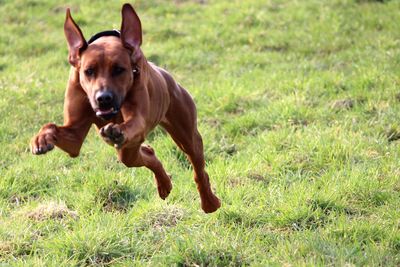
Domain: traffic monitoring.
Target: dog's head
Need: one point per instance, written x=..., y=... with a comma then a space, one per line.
x=106, y=66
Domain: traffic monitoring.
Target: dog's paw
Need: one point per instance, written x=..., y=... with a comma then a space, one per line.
x=210, y=203
x=164, y=187
x=113, y=135
x=44, y=141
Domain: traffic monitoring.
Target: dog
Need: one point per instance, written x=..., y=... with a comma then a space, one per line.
x=112, y=85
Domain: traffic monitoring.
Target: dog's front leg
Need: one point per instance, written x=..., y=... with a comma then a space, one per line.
x=78, y=117
x=68, y=138
x=128, y=138
x=128, y=133
x=132, y=131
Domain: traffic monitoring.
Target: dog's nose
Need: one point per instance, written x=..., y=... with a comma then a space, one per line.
x=104, y=98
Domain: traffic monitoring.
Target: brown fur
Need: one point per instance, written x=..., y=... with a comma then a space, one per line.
x=147, y=99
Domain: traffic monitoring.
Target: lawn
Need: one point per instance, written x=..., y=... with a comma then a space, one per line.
x=298, y=105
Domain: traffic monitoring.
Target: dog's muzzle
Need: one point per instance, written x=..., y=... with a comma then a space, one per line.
x=107, y=105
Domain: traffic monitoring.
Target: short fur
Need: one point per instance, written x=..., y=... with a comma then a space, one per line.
x=144, y=96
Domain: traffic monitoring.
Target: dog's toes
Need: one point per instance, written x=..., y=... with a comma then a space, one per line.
x=45, y=140
x=37, y=151
x=113, y=135
x=118, y=139
x=50, y=147
x=163, y=192
x=102, y=132
x=109, y=130
x=106, y=131
x=42, y=143
x=40, y=150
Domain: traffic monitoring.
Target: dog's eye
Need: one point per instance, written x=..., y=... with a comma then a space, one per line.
x=117, y=71
x=89, y=72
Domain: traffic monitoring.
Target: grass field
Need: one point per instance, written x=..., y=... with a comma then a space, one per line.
x=299, y=106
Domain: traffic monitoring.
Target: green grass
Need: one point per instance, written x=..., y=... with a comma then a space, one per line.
x=299, y=107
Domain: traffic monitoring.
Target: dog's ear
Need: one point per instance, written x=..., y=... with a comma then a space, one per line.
x=75, y=39
x=131, y=29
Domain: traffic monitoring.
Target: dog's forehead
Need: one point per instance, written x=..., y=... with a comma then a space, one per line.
x=109, y=49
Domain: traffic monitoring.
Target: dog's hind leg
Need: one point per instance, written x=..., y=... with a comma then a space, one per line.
x=143, y=155
x=180, y=123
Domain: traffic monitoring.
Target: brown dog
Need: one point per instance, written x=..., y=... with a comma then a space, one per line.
x=112, y=85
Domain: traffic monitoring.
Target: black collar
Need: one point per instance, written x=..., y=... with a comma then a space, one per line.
x=115, y=33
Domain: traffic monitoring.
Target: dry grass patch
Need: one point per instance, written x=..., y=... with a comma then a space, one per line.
x=167, y=217
x=50, y=211
x=6, y=248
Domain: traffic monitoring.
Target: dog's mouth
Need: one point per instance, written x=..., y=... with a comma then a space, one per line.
x=106, y=113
